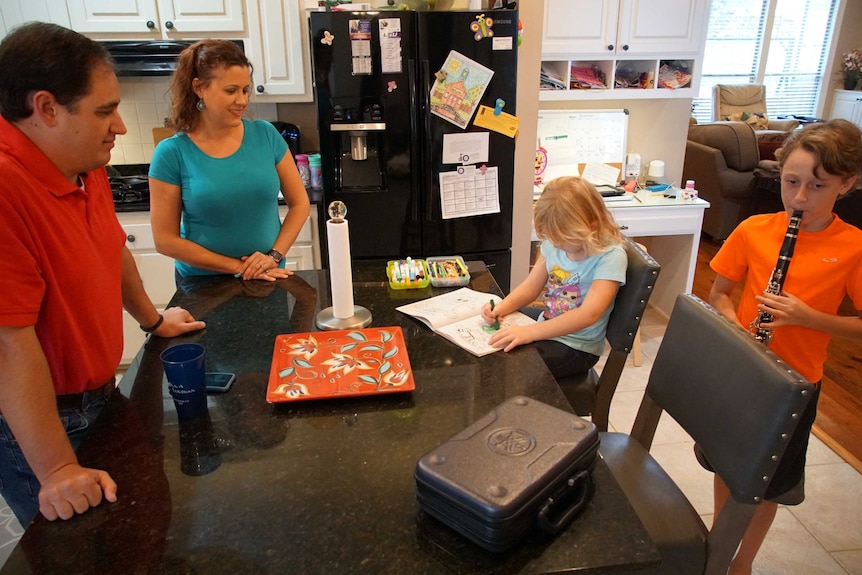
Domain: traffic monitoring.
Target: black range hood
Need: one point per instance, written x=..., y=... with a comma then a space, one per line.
x=148, y=58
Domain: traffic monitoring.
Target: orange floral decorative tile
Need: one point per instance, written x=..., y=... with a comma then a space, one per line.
x=343, y=363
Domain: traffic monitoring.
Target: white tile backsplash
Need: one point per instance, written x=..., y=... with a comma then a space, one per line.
x=143, y=106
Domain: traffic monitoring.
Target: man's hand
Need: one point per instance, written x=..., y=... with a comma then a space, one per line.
x=74, y=489
x=177, y=322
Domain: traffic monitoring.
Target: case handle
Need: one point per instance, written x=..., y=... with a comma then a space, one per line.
x=578, y=488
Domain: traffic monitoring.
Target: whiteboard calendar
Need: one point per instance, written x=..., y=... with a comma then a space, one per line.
x=469, y=191
x=570, y=139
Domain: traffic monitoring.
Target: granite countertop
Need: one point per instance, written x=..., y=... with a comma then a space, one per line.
x=308, y=487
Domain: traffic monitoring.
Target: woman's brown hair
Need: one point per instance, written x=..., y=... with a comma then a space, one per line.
x=200, y=60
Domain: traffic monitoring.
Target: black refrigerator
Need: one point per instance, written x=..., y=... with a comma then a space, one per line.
x=396, y=93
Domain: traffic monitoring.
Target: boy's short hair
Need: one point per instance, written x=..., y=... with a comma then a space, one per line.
x=836, y=145
x=570, y=210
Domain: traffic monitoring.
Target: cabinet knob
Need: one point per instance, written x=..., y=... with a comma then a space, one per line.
x=150, y=24
x=260, y=89
x=131, y=238
x=625, y=47
x=610, y=47
x=169, y=25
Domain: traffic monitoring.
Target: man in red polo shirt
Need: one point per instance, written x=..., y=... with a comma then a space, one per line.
x=65, y=273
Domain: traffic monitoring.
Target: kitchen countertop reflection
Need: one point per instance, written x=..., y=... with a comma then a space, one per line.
x=306, y=487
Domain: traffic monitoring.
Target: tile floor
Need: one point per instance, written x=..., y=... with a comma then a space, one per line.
x=823, y=536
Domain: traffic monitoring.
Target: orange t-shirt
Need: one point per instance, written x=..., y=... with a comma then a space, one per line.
x=826, y=266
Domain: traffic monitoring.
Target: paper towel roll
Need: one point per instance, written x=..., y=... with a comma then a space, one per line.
x=340, y=271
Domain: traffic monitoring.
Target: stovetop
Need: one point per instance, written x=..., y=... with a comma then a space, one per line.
x=130, y=187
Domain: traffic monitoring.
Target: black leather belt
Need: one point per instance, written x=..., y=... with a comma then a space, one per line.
x=81, y=400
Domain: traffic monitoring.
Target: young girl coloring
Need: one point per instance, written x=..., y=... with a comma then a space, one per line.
x=580, y=267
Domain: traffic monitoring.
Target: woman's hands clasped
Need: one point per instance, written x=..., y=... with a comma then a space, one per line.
x=259, y=266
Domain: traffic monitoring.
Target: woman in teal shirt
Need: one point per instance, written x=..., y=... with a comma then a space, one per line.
x=214, y=184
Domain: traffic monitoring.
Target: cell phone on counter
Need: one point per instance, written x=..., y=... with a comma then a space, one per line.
x=219, y=382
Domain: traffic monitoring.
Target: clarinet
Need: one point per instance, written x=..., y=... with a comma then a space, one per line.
x=763, y=333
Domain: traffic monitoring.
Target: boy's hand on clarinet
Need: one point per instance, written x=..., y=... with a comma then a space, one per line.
x=786, y=309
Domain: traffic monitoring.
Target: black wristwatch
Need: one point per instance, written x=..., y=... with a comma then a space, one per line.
x=276, y=255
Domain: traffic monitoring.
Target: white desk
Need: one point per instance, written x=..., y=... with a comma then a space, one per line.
x=670, y=230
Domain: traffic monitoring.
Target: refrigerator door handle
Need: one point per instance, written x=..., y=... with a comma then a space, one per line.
x=424, y=94
x=415, y=147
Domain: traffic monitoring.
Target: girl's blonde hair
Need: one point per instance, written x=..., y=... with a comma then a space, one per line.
x=570, y=210
x=200, y=60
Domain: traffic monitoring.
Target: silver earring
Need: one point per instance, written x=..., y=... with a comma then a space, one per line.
x=200, y=106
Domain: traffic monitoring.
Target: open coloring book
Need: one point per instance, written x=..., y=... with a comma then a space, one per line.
x=457, y=316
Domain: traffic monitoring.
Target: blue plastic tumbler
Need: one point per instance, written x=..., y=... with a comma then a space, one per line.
x=185, y=367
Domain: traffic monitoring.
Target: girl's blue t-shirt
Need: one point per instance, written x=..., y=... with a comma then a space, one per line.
x=568, y=284
x=229, y=205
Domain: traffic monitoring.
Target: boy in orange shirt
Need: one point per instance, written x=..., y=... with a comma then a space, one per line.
x=818, y=165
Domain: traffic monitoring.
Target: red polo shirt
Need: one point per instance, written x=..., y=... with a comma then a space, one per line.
x=60, y=263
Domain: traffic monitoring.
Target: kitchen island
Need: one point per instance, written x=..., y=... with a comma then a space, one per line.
x=306, y=487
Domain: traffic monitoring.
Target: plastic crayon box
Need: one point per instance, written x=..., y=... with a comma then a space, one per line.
x=407, y=274
x=448, y=271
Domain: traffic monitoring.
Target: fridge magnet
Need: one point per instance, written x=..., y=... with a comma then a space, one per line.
x=468, y=191
x=327, y=38
x=391, y=86
x=504, y=123
x=390, y=45
x=498, y=106
x=456, y=97
x=482, y=27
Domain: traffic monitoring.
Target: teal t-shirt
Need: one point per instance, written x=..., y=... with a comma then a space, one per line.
x=229, y=205
x=568, y=284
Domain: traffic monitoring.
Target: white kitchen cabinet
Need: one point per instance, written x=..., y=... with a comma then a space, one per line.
x=157, y=274
x=610, y=36
x=157, y=270
x=848, y=105
x=278, y=48
x=15, y=12
x=156, y=19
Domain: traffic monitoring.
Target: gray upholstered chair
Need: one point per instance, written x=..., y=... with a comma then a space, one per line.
x=591, y=393
x=739, y=401
x=722, y=158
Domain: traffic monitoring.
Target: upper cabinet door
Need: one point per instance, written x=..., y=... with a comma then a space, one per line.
x=156, y=18
x=664, y=27
x=279, y=50
x=582, y=27
x=16, y=12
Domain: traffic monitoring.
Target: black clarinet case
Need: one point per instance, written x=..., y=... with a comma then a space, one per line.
x=525, y=466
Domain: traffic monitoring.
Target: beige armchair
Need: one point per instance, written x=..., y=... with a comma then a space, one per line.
x=747, y=103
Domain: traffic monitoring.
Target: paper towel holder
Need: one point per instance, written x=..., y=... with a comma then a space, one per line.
x=326, y=318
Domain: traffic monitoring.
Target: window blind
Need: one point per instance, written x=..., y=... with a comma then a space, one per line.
x=779, y=43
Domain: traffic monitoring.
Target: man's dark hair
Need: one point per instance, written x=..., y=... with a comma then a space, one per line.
x=39, y=56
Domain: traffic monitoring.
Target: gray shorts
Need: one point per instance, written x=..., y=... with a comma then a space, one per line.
x=788, y=484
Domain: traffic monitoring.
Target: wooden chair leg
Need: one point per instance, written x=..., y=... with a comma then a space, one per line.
x=637, y=356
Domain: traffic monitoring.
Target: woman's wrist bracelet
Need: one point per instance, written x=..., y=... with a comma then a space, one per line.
x=155, y=326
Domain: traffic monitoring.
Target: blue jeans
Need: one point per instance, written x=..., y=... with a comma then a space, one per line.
x=18, y=483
